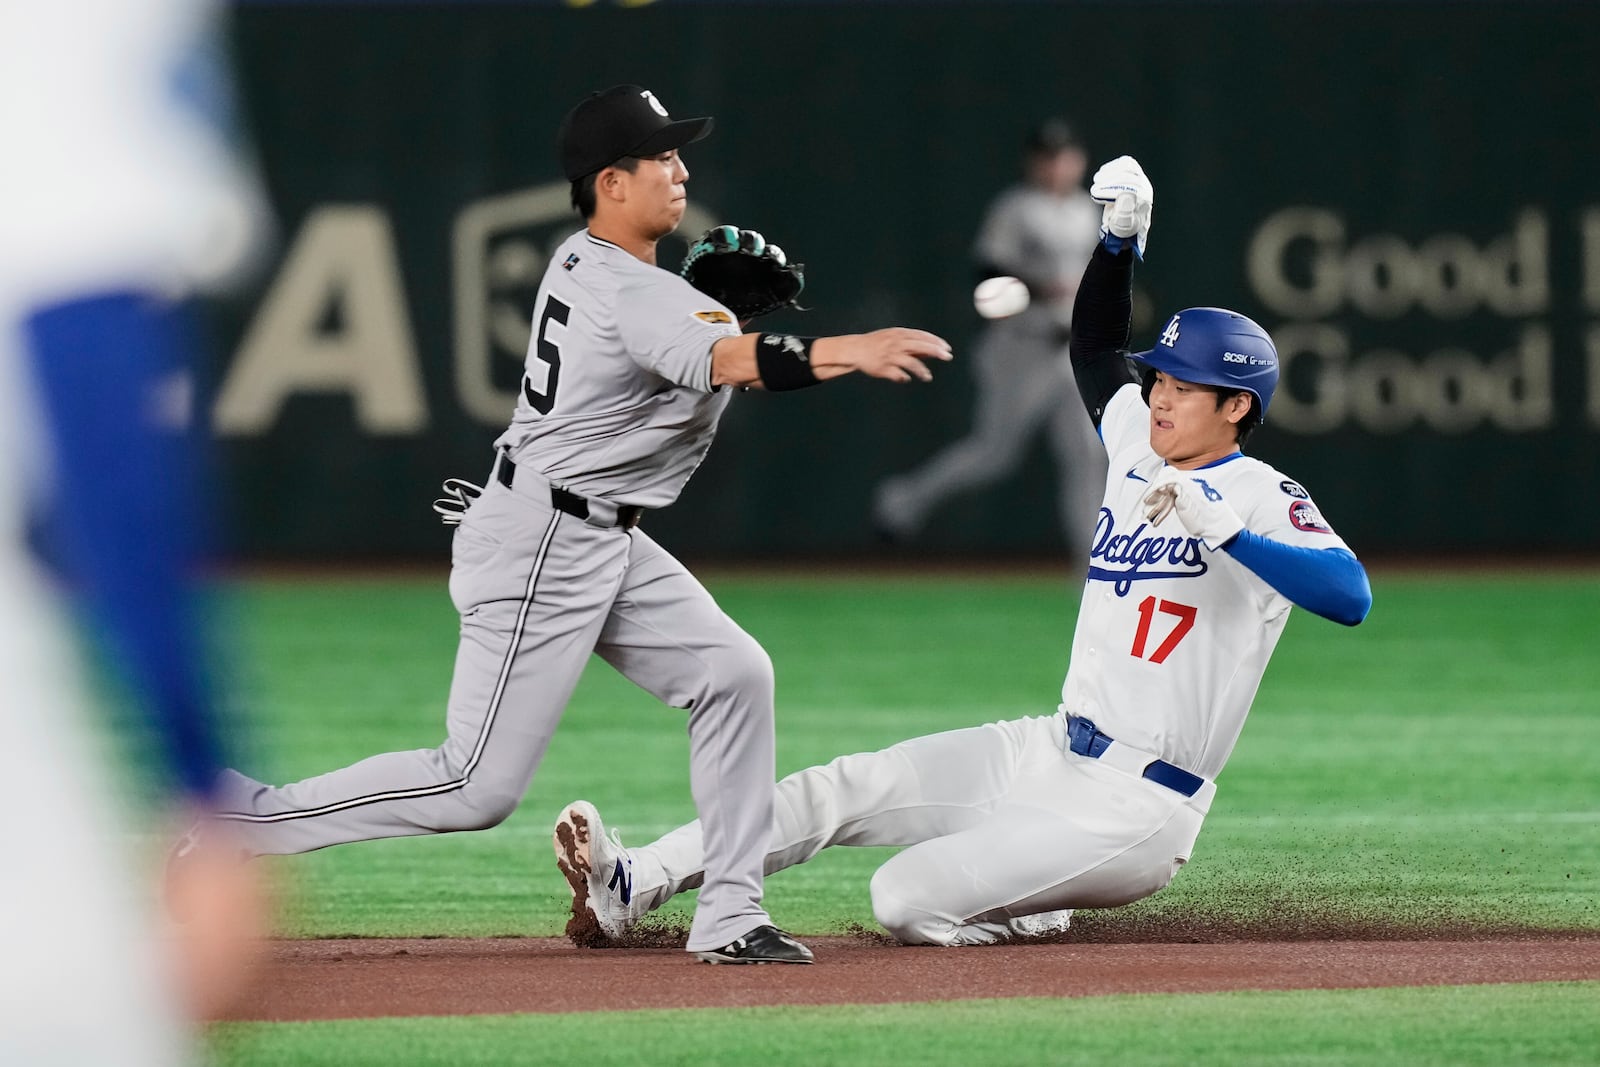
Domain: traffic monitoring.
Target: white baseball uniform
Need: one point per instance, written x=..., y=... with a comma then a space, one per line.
x=616, y=411
x=1005, y=820
x=1024, y=380
x=113, y=187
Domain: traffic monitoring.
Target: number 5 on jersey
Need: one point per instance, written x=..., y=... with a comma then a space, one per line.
x=547, y=351
x=1147, y=613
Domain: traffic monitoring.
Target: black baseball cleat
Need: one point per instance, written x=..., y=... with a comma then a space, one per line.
x=764, y=944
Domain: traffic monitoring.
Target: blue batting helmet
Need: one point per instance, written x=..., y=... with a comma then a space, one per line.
x=1211, y=346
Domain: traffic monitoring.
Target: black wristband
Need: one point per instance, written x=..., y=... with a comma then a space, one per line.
x=784, y=361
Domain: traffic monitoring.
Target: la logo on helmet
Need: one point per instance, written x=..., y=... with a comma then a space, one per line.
x=655, y=105
x=1169, y=336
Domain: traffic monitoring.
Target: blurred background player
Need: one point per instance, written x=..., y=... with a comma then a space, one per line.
x=119, y=195
x=1041, y=231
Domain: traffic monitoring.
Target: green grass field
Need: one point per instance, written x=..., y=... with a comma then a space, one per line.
x=1436, y=765
x=1460, y=1026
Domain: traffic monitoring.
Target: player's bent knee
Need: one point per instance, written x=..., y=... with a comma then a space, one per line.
x=909, y=923
x=743, y=667
x=477, y=808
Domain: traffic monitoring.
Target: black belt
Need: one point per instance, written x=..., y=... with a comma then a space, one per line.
x=628, y=515
x=1086, y=740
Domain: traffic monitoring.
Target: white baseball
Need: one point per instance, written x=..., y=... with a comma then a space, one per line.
x=999, y=298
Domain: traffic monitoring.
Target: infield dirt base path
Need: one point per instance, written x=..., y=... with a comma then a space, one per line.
x=349, y=979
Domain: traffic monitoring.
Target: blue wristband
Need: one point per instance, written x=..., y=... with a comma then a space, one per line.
x=1115, y=244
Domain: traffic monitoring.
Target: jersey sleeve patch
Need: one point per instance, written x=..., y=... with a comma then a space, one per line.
x=1303, y=514
x=715, y=318
x=1294, y=489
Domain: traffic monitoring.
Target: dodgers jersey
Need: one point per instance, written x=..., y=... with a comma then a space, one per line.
x=1173, y=637
x=616, y=401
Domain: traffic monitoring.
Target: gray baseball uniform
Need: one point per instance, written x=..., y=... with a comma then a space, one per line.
x=616, y=411
x=1023, y=377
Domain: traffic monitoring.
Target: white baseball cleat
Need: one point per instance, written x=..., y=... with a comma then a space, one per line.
x=598, y=869
x=1044, y=924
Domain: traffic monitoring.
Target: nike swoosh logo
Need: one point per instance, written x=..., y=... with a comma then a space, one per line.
x=1134, y=474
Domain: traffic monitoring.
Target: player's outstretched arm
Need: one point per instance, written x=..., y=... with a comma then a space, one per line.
x=780, y=361
x=127, y=513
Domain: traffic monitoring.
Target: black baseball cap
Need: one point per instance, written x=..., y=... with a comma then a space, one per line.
x=623, y=120
x=1051, y=136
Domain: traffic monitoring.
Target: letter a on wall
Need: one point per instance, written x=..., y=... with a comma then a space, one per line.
x=334, y=321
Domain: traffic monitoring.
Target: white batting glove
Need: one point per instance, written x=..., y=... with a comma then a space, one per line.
x=1201, y=509
x=1129, y=198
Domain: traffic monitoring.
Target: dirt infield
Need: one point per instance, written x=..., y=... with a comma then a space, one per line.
x=347, y=979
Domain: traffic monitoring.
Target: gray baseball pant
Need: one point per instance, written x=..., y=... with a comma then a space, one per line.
x=538, y=590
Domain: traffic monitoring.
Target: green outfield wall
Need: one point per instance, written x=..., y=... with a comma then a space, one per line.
x=1406, y=195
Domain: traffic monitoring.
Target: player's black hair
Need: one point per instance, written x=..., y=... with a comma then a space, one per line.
x=1243, y=428
x=1252, y=418
x=1051, y=136
x=583, y=197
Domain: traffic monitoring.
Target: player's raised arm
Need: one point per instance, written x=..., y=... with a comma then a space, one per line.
x=1103, y=311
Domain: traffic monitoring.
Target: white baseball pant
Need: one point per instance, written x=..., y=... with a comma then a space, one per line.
x=999, y=821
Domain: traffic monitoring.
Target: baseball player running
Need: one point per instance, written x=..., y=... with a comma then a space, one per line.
x=628, y=370
x=1040, y=230
x=1198, y=554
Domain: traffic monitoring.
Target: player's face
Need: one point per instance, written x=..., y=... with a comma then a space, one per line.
x=655, y=197
x=1059, y=172
x=1187, y=427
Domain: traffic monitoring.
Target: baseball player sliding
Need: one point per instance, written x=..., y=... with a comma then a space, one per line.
x=628, y=371
x=1198, y=554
